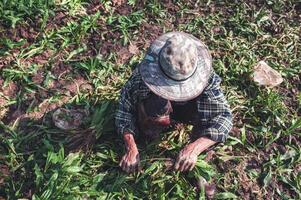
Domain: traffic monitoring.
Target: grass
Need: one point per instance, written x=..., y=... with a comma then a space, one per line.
x=75, y=54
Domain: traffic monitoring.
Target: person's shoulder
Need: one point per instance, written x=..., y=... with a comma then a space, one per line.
x=135, y=77
x=214, y=77
x=136, y=74
x=136, y=82
x=214, y=80
x=213, y=87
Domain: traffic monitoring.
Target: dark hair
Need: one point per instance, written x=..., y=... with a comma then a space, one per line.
x=155, y=106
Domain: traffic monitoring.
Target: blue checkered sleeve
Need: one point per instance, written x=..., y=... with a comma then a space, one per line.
x=214, y=112
x=126, y=114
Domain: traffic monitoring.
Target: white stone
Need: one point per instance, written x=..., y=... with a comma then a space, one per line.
x=265, y=75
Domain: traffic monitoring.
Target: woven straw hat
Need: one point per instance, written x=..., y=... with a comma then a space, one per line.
x=177, y=66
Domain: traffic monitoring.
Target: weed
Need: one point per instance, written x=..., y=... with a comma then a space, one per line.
x=261, y=158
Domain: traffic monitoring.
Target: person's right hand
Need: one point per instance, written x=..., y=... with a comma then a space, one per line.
x=130, y=162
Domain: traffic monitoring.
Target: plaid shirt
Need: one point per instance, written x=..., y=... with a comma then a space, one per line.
x=215, y=117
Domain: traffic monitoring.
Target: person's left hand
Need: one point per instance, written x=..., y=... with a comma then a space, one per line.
x=187, y=158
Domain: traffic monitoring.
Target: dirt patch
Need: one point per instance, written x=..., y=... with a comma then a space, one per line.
x=46, y=107
x=42, y=58
x=277, y=185
x=4, y=172
x=150, y=32
x=10, y=90
x=61, y=86
x=146, y=34
x=290, y=95
x=8, y=59
x=3, y=108
x=109, y=44
x=58, y=20
x=22, y=31
x=249, y=189
x=123, y=55
x=28, y=33
x=2, y=101
x=225, y=166
x=253, y=163
x=42, y=108
x=170, y=6
x=95, y=6
x=125, y=9
x=38, y=78
x=109, y=41
x=60, y=70
x=264, y=156
x=290, y=139
x=67, y=83
x=133, y=48
x=75, y=86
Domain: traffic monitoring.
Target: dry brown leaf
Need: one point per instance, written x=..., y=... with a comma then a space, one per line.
x=10, y=90
x=168, y=163
x=265, y=75
x=146, y=44
x=123, y=55
x=133, y=49
x=118, y=2
x=4, y=172
x=209, y=155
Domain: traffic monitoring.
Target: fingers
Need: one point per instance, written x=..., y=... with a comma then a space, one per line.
x=122, y=164
x=177, y=164
x=132, y=168
x=184, y=165
x=127, y=167
x=192, y=166
x=139, y=167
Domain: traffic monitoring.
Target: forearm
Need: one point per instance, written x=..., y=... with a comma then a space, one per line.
x=129, y=141
x=130, y=161
x=201, y=145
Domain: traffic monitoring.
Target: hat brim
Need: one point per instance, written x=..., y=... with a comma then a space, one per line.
x=170, y=89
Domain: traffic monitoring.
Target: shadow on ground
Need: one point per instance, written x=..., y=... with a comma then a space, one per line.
x=49, y=154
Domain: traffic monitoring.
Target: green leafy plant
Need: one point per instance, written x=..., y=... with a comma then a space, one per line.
x=76, y=54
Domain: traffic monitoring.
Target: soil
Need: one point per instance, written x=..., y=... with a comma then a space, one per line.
x=290, y=96
x=250, y=189
x=108, y=42
x=10, y=90
x=4, y=172
x=95, y=6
